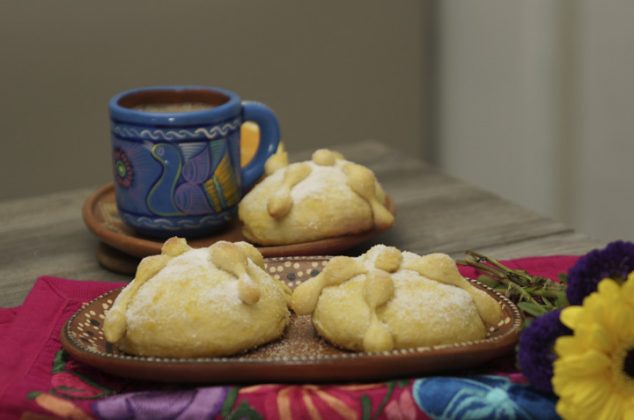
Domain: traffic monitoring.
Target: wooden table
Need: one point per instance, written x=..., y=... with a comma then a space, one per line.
x=435, y=212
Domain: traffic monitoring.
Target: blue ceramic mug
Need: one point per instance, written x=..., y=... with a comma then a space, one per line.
x=176, y=157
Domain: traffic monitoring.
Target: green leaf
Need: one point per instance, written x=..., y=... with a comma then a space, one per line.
x=563, y=278
x=245, y=411
x=59, y=361
x=562, y=301
x=33, y=395
x=86, y=379
x=402, y=383
x=69, y=393
x=532, y=309
x=227, y=405
x=366, y=407
x=390, y=390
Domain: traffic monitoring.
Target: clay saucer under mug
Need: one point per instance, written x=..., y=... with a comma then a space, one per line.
x=101, y=217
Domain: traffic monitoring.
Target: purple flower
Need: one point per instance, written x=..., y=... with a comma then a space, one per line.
x=615, y=261
x=536, y=349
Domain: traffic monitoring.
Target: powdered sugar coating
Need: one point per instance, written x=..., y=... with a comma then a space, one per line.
x=416, y=291
x=420, y=312
x=442, y=310
x=368, y=259
x=192, y=308
x=320, y=179
x=192, y=270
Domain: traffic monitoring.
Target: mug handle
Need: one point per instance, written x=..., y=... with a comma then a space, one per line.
x=264, y=117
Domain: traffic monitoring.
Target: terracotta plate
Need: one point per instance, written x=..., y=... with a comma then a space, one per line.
x=101, y=216
x=300, y=356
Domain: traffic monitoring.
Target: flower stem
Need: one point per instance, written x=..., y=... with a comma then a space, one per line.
x=501, y=277
x=518, y=285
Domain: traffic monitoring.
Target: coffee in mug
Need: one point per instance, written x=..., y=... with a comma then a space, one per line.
x=175, y=107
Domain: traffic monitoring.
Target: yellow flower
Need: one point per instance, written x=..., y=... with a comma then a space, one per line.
x=594, y=372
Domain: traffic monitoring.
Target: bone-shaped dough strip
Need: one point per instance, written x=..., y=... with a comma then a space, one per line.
x=362, y=181
x=379, y=288
x=442, y=268
x=281, y=202
x=115, y=323
x=337, y=271
x=230, y=258
x=175, y=246
x=252, y=253
x=277, y=161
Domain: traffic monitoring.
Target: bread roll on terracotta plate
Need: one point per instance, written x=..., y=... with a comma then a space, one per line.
x=325, y=197
x=186, y=302
x=387, y=299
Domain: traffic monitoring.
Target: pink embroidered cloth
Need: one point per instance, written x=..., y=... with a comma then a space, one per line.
x=37, y=378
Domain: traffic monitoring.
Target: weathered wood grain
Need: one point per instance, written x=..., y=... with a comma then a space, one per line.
x=435, y=212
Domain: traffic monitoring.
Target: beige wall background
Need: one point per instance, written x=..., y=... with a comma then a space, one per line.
x=531, y=100
x=534, y=102
x=333, y=71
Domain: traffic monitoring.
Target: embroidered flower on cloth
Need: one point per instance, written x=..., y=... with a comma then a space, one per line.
x=481, y=397
x=190, y=403
x=594, y=374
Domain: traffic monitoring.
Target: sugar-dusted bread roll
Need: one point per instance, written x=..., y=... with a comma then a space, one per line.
x=386, y=299
x=188, y=302
x=325, y=197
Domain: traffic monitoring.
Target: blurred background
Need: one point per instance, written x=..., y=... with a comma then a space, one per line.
x=529, y=99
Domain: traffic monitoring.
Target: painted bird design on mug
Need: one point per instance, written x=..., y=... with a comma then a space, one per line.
x=196, y=179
